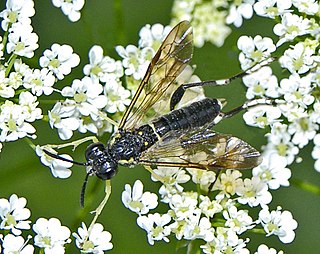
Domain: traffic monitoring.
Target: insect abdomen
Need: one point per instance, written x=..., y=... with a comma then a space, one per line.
x=197, y=114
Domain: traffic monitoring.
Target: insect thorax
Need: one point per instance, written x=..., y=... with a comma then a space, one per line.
x=126, y=146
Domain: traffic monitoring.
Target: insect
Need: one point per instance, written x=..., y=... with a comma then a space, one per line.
x=181, y=138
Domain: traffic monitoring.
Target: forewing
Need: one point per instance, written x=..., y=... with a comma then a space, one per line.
x=205, y=150
x=169, y=61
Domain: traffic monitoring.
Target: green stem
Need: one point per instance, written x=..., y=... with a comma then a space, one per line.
x=4, y=41
x=304, y=185
x=10, y=64
x=257, y=230
x=5, y=38
x=30, y=143
x=218, y=223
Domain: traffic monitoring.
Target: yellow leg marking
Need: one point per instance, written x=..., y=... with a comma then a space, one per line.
x=108, y=119
x=99, y=209
x=75, y=143
x=159, y=178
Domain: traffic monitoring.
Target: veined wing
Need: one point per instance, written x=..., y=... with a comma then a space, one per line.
x=171, y=58
x=207, y=150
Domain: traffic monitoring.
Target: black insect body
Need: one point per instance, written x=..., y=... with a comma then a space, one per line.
x=126, y=148
x=181, y=138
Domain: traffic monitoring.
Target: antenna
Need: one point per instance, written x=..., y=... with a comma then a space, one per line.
x=83, y=189
x=64, y=159
x=84, y=185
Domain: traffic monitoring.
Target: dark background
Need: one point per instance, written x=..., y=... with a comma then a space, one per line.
x=111, y=23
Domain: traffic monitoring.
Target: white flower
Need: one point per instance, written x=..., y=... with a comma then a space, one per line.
x=253, y=192
x=22, y=41
x=198, y=228
x=310, y=7
x=70, y=8
x=228, y=183
x=60, y=59
x=262, y=116
x=297, y=89
x=62, y=117
x=59, y=168
x=290, y=27
x=279, y=142
x=261, y=83
x=316, y=152
x=299, y=59
x=21, y=69
x=50, y=235
x=14, y=215
x=16, y=244
x=39, y=81
x=208, y=20
x=273, y=171
x=172, y=177
x=184, y=205
x=29, y=104
x=138, y=201
x=238, y=221
x=17, y=11
x=303, y=129
x=226, y=241
x=202, y=177
x=118, y=97
x=254, y=50
x=264, y=249
x=239, y=10
x=278, y=223
x=135, y=60
x=96, y=241
x=292, y=111
x=102, y=67
x=209, y=207
x=152, y=36
x=83, y=112
x=155, y=226
x=87, y=93
x=267, y=8
x=6, y=89
x=12, y=122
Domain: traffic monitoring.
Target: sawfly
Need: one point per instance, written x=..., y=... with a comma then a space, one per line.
x=181, y=138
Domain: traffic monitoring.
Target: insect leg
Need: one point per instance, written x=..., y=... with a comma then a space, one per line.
x=178, y=94
x=156, y=176
x=99, y=209
x=247, y=105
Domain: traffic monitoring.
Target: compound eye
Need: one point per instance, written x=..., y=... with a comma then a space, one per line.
x=93, y=150
x=108, y=170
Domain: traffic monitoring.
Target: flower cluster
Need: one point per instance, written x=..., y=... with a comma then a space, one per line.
x=49, y=235
x=70, y=8
x=219, y=212
x=215, y=219
x=210, y=19
x=17, y=80
x=295, y=121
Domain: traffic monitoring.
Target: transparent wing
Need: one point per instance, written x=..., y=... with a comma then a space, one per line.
x=169, y=61
x=205, y=150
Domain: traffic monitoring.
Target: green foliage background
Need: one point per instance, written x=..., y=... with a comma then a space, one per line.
x=111, y=23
